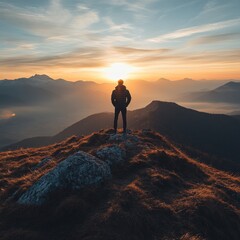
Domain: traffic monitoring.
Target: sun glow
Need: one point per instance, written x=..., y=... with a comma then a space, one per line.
x=118, y=71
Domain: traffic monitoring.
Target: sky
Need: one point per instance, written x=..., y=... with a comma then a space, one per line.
x=148, y=39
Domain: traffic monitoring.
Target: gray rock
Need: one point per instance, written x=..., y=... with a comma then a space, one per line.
x=123, y=137
x=117, y=137
x=75, y=172
x=111, y=154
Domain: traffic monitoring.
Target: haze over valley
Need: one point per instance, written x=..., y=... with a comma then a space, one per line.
x=40, y=105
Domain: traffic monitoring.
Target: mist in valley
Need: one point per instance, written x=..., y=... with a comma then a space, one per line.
x=55, y=104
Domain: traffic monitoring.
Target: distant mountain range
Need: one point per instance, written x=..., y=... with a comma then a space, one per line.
x=40, y=105
x=228, y=93
x=40, y=89
x=215, y=134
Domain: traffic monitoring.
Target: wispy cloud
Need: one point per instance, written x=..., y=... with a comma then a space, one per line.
x=213, y=10
x=134, y=5
x=189, y=59
x=128, y=50
x=116, y=27
x=215, y=39
x=78, y=58
x=93, y=57
x=186, y=32
x=55, y=20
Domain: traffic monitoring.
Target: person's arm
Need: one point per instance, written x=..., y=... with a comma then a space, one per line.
x=128, y=98
x=113, y=98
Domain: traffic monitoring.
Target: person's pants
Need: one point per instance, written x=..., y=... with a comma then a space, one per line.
x=123, y=110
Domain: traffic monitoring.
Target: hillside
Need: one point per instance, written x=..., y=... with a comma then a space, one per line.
x=103, y=186
x=236, y=116
x=214, y=134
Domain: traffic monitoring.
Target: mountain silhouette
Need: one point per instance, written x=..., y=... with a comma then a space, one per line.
x=215, y=134
x=228, y=93
x=42, y=87
x=104, y=186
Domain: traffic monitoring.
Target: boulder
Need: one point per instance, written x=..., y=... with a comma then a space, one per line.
x=112, y=154
x=75, y=172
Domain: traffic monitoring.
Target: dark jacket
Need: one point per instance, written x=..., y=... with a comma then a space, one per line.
x=120, y=96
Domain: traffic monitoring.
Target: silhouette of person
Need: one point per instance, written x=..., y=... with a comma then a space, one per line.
x=120, y=99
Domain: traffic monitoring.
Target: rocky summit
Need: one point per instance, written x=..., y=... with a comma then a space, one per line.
x=106, y=186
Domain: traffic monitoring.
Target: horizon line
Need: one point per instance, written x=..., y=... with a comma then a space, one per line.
x=130, y=79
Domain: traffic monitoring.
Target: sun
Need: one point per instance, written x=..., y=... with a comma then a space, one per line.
x=118, y=71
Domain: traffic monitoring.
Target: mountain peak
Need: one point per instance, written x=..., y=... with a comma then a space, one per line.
x=155, y=104
x=232, y=84
x=41, y=77
x=229, y=86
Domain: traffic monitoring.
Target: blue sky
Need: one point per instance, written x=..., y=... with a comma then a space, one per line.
x=159, y=38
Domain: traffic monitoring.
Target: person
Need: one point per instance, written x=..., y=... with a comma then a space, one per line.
x=121, y=98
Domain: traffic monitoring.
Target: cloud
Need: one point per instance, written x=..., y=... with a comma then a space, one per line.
x=188, y=59
x=116, y=27
x=78, y=58
x=128, y=50
x=214, y=39
x=134, y=5
x=94, y=57
x=213, y=10
x=216, y=57
x=139, y=9
x=186, y=32
x=55, y=20
x=56, y=28
x=210, y=5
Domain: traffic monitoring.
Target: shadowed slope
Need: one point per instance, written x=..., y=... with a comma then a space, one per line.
x=156, y=192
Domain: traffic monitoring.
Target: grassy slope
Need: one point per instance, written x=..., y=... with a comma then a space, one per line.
x=158, y=193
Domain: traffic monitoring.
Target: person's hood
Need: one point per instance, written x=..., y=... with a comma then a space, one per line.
x=120, y=87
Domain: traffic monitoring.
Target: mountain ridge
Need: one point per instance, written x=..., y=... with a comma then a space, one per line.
x=227, y=93
x=47, y=77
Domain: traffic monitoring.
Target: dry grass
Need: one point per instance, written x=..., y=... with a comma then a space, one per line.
x=158, y=193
